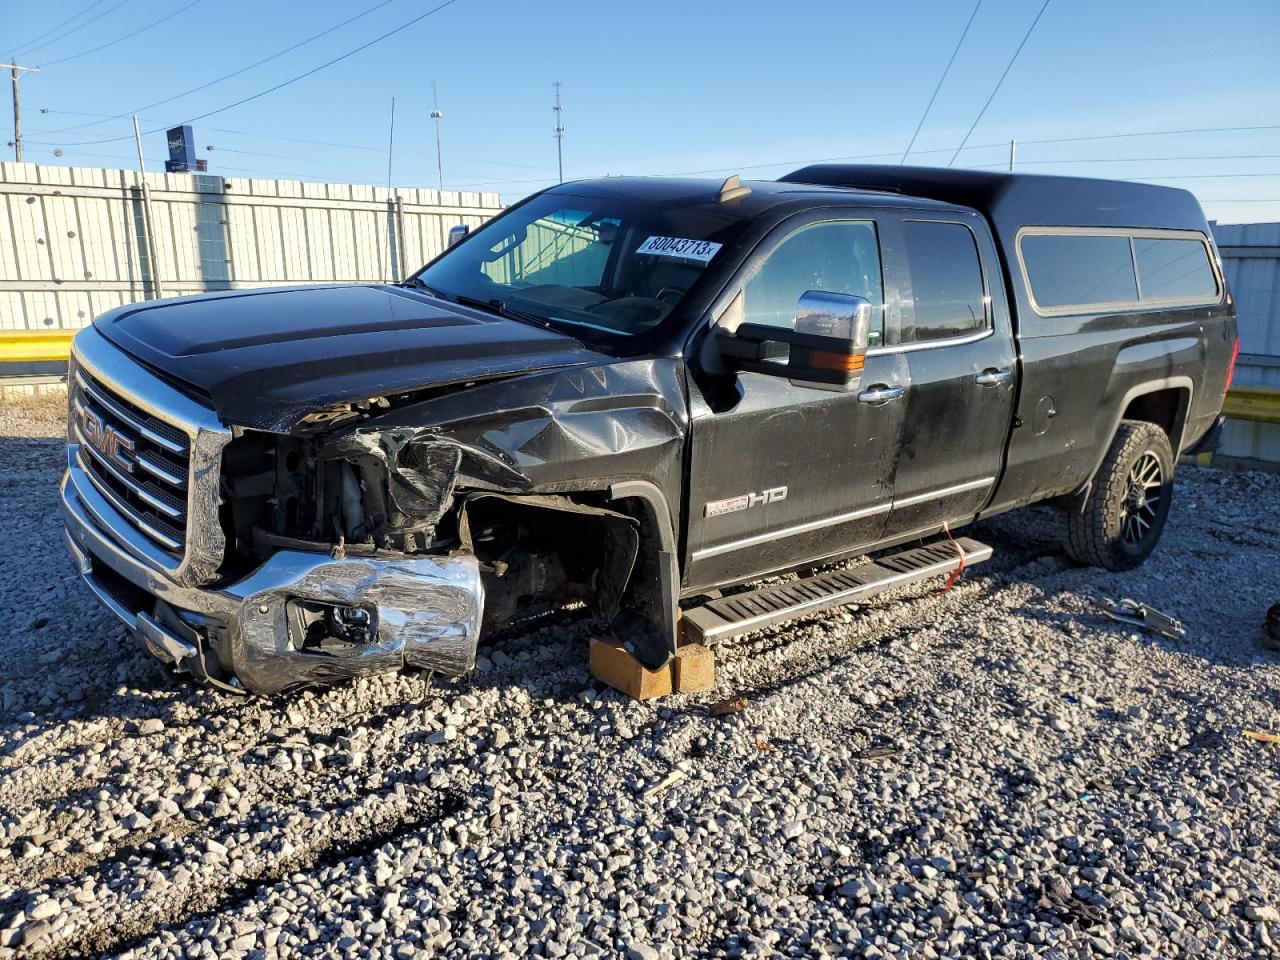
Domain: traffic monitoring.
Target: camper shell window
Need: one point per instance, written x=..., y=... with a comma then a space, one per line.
x=1072, y=270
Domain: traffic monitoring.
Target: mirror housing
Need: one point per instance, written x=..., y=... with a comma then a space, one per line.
x=836, y=328
x=825, y=351
x=457, y=232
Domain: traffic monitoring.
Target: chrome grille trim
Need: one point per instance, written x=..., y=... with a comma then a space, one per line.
x=171, y=498
x=162, y=470
x=158, y=513
x=121, y=413
x=139, y=520
x=138, y=490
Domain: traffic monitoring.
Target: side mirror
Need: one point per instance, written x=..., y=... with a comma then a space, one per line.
x=833, y=331
x=456, y=233
x=826, y=350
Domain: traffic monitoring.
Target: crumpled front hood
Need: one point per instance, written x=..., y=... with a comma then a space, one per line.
x=266, y=358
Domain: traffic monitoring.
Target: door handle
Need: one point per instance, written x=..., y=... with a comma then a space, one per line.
x=881, y=393
x=991, y=376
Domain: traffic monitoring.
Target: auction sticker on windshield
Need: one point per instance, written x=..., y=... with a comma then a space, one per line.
x=701, y=250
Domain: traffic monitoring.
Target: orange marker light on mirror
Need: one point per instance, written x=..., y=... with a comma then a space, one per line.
x=844, y=362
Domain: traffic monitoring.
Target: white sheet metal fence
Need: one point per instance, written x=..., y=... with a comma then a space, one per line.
x=1251, y=261
x=76, y=241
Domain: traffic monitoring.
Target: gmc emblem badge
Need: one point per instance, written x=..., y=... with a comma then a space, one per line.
x=104, y=438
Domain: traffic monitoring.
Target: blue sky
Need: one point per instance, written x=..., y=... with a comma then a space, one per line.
x=666, y=87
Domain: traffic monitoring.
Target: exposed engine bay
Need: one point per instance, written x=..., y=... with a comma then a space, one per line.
x=395, y=493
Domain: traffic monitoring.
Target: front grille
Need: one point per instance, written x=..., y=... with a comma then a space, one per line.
x=140, y=463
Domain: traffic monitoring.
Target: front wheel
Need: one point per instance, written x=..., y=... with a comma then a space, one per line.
x=1120, y=522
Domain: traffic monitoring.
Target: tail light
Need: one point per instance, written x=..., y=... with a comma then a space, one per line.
x=1231, y=367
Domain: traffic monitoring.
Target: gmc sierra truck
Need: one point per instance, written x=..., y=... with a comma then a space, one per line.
x=640, y=396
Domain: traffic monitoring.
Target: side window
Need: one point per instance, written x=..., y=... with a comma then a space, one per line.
x=1174, y=269
x=946, y=281
x=835, y=257
x=1079, y=270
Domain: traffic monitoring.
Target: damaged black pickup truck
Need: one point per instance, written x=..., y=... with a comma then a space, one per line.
x=637, y=394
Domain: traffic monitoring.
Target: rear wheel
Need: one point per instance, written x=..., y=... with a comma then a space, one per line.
x=1121, y=520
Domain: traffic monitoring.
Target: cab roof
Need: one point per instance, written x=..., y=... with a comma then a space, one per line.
x=765, y=195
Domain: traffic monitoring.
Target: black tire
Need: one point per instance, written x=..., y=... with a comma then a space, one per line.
x=1121, y=520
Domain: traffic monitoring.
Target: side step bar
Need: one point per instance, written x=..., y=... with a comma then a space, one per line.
x=741, y=612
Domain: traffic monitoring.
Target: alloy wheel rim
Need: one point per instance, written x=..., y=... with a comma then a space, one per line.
x=1142, y=498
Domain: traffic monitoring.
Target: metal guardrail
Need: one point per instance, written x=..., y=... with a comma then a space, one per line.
x=22, y=347
x=1259, y=404
x=34, y=346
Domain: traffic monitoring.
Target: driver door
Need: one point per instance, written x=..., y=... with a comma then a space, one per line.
x=783, y=475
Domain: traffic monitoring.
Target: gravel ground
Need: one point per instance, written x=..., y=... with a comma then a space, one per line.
x=996, y=771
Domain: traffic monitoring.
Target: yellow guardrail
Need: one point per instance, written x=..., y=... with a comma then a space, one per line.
x=1261, y=404
x=35, y=346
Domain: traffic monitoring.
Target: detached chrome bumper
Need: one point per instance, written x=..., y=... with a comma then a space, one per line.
x=425, y=611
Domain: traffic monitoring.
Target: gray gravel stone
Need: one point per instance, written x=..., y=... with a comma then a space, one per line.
x=44, y=910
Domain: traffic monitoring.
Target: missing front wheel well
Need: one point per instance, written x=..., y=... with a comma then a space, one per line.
x=540, y=551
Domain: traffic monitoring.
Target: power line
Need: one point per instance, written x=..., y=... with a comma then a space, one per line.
x=294, y=79
x=127, y=36
x=218, y=148
x=1154, y=133
x=214, y=148
x=945, y=70
x=69, y=19
x=1205, y=176
x=240, y=133
x=318, y=143
x=234, y=73
x=82, y=113
x=975, y=146
x=1235, y=156
x=100, y=156
x=76, y=28
x=978, y=119
x=504, y=163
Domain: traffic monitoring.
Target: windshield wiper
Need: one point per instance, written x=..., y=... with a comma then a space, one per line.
x=419, y=284
x=499, y=308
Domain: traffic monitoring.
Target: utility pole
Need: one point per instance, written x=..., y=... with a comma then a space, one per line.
x=392, y=239
x=391, y=142
x=437, y=115
x=137, y=139
x=14, y=75
x=559, y=131
x=1013, y=153
x=148, y=220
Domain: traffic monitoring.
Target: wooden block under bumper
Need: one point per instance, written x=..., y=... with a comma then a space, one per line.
x=694, y=667
x=612, y=664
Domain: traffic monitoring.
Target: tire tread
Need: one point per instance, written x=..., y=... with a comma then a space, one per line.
x=1087, y=538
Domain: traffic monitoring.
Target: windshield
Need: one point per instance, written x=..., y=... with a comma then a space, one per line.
x=601, y=264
